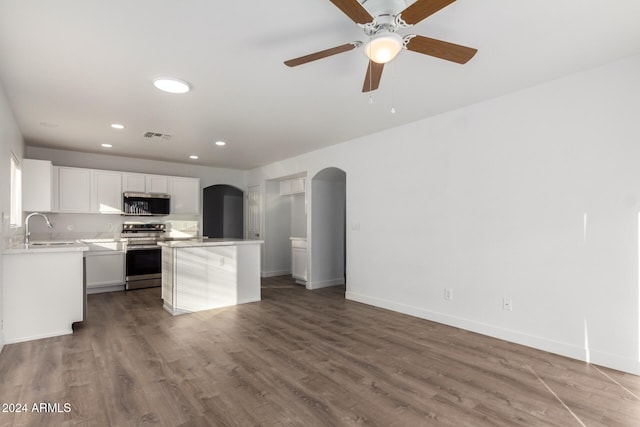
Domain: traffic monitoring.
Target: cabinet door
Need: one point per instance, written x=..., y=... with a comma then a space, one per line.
x=285, y=187
x=105, y=269
x=134, y=182
x=74, y=190
x=299, y=263
x=107, y=192
x=192, y=279
x=185, y=195
x=297, y=186
x=157, y=184
x=37, y=185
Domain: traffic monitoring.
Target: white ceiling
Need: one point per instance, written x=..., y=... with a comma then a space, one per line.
x=71, y=68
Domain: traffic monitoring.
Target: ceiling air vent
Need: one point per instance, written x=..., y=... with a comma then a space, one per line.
x=156, y=135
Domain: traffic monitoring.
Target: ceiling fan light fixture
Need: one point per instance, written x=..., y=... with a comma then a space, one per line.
x=383, y=47
x=171, y=85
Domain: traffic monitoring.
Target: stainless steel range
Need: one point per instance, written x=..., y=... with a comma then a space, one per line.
x=143, y=255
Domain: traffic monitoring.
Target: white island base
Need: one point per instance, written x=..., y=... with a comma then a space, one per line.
x=211, y=273
x=43, y=291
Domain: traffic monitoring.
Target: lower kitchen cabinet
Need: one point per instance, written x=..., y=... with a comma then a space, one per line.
x=42, y=295
x=299, y=259
x=104, y=271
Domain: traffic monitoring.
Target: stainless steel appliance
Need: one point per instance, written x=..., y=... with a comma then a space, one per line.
x=145, y=204
x=143, y=264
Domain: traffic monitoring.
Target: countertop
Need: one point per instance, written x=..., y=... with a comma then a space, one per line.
x=36, y=248
x=208, y=242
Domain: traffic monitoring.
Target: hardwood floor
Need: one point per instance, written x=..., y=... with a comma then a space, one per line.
x=298, y=357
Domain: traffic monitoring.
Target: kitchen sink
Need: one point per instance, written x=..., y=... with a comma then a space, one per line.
x=51, y=243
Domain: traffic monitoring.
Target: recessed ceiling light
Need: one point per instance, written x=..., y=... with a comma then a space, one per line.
x=106, y=145
x=193, y=157
x=221, y=143
x=117, y=126
x=171, y=85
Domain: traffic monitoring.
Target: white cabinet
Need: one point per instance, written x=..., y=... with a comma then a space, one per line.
x=89, y=191
x=42, y=294
x=185, y=195
x=134, y=182
x=157, y=184
x=144, y=183
x=299, y=259
x=104, y=269
x=292, y=186
x=209, y=275
x=106, y=194
x=37, y=185
x=74, y=190
x=100, y=191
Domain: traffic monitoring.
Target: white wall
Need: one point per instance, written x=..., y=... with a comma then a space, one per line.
x=533, y=196
x=10, y=140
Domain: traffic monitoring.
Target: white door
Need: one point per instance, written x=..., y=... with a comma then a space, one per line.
x=254, y=213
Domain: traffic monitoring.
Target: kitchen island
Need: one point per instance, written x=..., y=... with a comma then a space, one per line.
x=203, y=274
x=43, y=290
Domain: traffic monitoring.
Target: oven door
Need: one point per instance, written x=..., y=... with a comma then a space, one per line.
x=143, y=267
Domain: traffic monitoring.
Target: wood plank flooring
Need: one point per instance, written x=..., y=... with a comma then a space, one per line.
x=297, y=358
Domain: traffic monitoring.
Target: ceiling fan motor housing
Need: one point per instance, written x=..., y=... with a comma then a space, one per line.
x=384, y=11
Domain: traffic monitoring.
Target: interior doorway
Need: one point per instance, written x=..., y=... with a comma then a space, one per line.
x=327, y=264
x=223, y=212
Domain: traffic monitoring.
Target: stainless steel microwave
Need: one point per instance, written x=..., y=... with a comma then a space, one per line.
x=145, y=204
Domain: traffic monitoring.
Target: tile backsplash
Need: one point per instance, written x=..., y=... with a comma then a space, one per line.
x=89, y=226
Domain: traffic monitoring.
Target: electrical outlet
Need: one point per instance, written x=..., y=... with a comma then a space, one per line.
x=507, y=304
x=448, y=294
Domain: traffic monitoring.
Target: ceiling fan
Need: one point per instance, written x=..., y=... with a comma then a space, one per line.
x=380, y=21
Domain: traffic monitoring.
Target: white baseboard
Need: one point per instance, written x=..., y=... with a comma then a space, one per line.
x=40, y=336
x=103, y=289
x=325, y=283
x=540, y=343
x=275, y=273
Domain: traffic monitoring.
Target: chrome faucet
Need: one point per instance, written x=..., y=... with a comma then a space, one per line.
x=27, y=233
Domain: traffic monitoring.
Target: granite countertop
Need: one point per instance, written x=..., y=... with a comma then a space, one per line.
x=40, y=247
x=208, y=242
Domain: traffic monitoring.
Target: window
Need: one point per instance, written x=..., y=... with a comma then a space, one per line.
x=16, y=193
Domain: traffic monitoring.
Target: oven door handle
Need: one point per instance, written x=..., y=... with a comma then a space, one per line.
x=142, y=248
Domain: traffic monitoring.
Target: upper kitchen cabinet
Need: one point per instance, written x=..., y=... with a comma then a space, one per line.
x=143, y=183
x=37, y=185
x=134, y=182
x=89, y=191
x=157, y=184
x=74, y=190
x=185, y=195
x=106, y=194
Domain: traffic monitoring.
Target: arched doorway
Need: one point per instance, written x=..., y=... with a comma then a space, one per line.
x=222, y=211
x=327, y=265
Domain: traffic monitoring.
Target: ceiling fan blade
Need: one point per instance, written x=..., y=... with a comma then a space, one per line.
x=372, y=79
x=354, y=10
x=422, y=9
x=322, y=54
x=440, y=49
